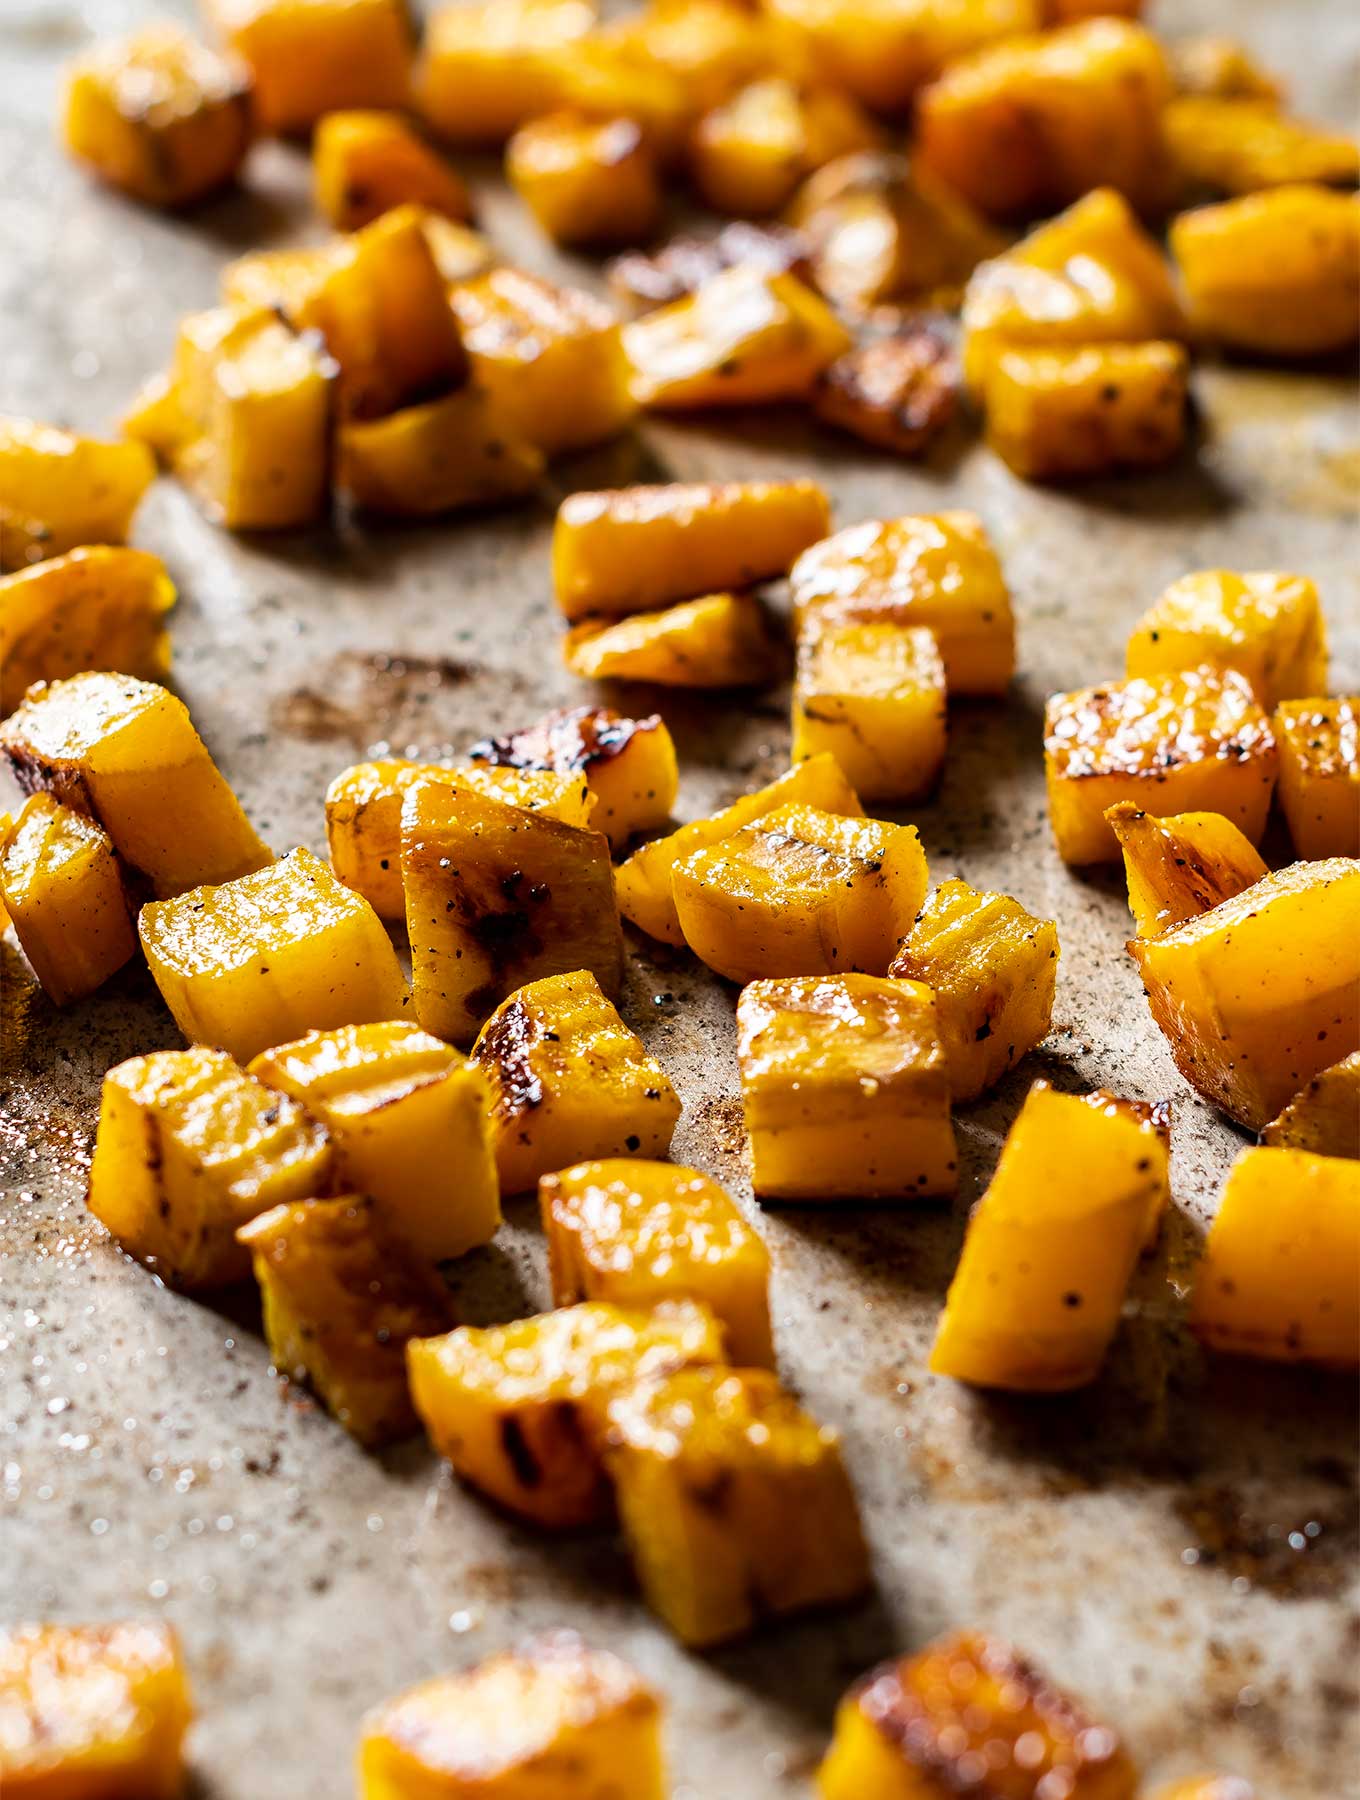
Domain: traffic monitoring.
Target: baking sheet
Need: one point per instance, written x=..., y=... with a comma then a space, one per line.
x=1178, y=1542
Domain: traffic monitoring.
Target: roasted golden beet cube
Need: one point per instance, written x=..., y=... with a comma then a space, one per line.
x=569, y=1081
x=1030, y=125
x=159, y=116
x=1319, y=790
x=102, y=607
x=550, y=359
x=408, y=1117
x=1258, y=994
x=735, y=1503
x=1276, y=273
x=1153, y=1119
x=497, y=896
x=627, y=550
x=126, y=752
x=640, y=281
x=518, y=1409
x=259, y=960
x=600, y=79
x=1178, y=867
x=717, y=641
x=1269, y=627
x=643, y=882
x=926, y=1726
x=58, y=490
x=743, y=338
x=487, y=68
x=800, y=891
x=935, y=570
x=366, y=163
x=1278, y=1279
x=1051, y=1245
x=62, y=889
x=845, y=1088
x=454, y=452
x=190, y=1148
x=628, y=765
x=342, y=1299
x=1239, y=146
x=309, y=57
x=992, y=968
x=1195, y=742
x=750, y=152
x=636, y=1232
x=1056, y=414
x=586, y=181
x=897, y=392
x=93, y=1712
x=873, y=694
x=550, y=1716
x=1323, y=1117
x=1221, y=66
x=713, y=47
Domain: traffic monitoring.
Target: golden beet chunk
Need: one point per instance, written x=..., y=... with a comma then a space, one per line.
x=934, y=570
x=569, y=1081
x=548, y=1717
x=635, y=1232
x=485, y=69
x=126, y=752
x=845, y=1089
x=190, y=1148
x=1054, y=415
x=628, y=765
x=58, y=490
x=445, y=455
x=1195, y=742
x=717, y=641
x=518, y=1409
x=1278, y=1279
x=748, y=154
x=992, y=968
x=801, y=891
x=1027, y=126
x=713, y=47
x=341, y=1300
x=1269, y=627
x=872, y=693
x=1238, y=146
x=897, y=392
x=1035, y=1300
x=366, y=163
x=743, y=338
x=290, y=280
x=63, y=891
x=1258, y=994
x=1320, y=775
x=643, y=881
x=497, y=896
x=1178, y=867
x=309, y=57
x=1153, y=1119
x=735, y=1503
x=627, y=550
x=1277, y=273
x=408, y=1117
x=257, y=961
x=93, y=1712
x=102, y=607
x=640, y=281
x=1323, y=1117
x=159, y=116
x=969, y=1712
x=586, y=181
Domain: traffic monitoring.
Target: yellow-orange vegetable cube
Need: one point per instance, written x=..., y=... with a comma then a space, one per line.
x=93, y=1712
x=1323, y=1117
x=586, y=181
x=1258, y=994
x=1238, y=146
x=1319, y=790
x=62, y=889
x=551, y=1714
x=59, y=490
x=497, y=896
x=126, y=752
x=102, y=607
x=366, y=163
x=935, y=570
x=992, y=968
x=636, y=1232
x=569, y=1081
x=845, y=1089
x=1051, y=1245
x=1281, y=1271
x=873, y=694
x=627, y=550
x=518, y=1409
x=454, y=452
x=341, y=1300
x=713, y=47
x=1195, y=742
x=487, y=68
x=1269, y=627
x=717, y=641
x=257, y=961
x=1153, y=1119
x=1056, y=414
x=1178, y=867
x=750, y=152
x=734, y=1501
x=897, y=392
x=159, y=116
x=309, y=57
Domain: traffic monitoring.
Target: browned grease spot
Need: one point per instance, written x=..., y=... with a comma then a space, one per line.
x=364, y=694
x=1240, y=1538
